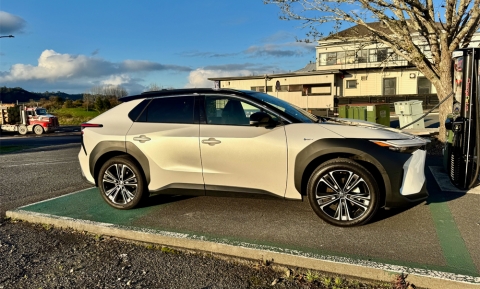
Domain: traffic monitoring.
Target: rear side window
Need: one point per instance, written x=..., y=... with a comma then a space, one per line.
x=169, y=110
x=134, y=113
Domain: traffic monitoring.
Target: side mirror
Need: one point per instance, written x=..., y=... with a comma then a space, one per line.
x=261, y=119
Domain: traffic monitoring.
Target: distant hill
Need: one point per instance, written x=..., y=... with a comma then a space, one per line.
x=12, y=95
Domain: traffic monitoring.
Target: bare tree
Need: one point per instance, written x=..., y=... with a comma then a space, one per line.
x=110, y=93
x=153, y=87
x=444, y=25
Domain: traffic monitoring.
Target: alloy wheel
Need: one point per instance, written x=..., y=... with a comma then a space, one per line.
x=343, y=195
x=119, y=184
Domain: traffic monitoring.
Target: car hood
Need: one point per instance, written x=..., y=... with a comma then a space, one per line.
x=353, y=128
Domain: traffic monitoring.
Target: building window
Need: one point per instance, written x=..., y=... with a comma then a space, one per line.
x=341, y=57
x=378, y=55
x=350, y=57
x=362, y=56
x=352, y=83
x=317, y=89
x=424, y=86
x=322, y=59
x=297, y=87
x=261, y=88
x=389, y=86
x=331, y=58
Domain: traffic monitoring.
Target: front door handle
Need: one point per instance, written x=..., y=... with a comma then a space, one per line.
x=141, y=138
x=211, y=141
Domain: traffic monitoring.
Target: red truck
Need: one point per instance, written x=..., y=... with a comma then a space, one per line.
x=31, y=119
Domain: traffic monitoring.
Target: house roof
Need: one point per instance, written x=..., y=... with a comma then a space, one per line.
x=361, y=31
x=290, y=74
x=358, y=31
x=312, y=66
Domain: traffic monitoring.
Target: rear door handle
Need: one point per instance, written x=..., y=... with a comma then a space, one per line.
x=142, y=138
x=211, y=141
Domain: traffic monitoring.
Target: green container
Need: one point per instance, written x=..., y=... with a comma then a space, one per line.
x=373, y=112
x=343, y=111
x=357, y=112
x=379, y=113
x=448, y=145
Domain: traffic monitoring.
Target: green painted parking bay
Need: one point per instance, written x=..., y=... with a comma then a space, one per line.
x=425, y=240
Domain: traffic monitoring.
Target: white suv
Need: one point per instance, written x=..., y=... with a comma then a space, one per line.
x=224, y=142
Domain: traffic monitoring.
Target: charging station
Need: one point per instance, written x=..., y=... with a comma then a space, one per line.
x=463, y=165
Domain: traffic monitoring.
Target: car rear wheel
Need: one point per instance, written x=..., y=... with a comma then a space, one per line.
x=121, y=183
x=343, y=193
x=38, y=129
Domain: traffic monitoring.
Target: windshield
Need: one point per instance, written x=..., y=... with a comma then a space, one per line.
x=284, y=106
x=41, y=111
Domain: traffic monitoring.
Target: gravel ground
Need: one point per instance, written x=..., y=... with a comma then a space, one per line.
x=40, y=256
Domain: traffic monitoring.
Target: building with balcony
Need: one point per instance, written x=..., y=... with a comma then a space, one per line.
x=347, y=65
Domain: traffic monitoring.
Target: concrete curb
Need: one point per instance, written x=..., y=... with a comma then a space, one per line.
x=437, y=280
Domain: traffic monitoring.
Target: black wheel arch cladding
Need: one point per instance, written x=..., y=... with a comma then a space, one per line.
x=388, y=163
x=119, y=147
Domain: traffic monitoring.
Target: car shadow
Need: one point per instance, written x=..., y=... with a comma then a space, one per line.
x=162, y=200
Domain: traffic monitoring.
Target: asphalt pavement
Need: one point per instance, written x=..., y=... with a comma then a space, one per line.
x=436, y=239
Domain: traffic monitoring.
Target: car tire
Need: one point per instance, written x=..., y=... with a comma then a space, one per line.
x=38, y=129
x=121, y=183
x=343, y=193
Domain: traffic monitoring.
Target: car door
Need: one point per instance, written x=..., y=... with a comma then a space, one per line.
x=237, y=157
x=168, y=135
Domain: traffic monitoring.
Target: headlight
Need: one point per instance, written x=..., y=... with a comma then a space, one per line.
x=402, y=145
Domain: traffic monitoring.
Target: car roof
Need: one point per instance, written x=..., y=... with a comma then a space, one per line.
x=181, y=91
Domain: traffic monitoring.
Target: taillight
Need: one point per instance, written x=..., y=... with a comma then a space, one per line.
x=84, y=125
x=91, y=125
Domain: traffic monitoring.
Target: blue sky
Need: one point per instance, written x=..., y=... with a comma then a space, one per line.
x=72, y=46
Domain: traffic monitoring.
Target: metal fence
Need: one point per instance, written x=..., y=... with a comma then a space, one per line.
x=428, y=102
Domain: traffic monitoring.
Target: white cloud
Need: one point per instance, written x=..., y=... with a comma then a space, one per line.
x=52, y=66
x=117, y=80
x=199, y=77
x=10, y=23
x=62, y=70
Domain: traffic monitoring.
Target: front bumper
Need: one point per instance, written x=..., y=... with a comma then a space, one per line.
x=410, y=186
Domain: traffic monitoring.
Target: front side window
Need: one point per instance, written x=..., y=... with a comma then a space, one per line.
x=41, y=111
x=286, y=107
x=229, y=111
x=169, y=110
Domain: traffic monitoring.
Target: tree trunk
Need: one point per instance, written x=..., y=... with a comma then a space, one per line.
x=444, y=88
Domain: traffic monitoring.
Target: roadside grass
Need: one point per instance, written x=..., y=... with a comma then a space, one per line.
x=12, y=148
x=74, y=116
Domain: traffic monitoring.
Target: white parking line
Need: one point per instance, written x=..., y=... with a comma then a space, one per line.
x=38, y=163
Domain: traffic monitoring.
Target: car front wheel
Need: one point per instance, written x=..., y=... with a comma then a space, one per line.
x=121, y=183
x=343, y=193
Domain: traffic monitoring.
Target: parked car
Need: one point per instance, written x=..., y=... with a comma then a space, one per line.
x=224, y=142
